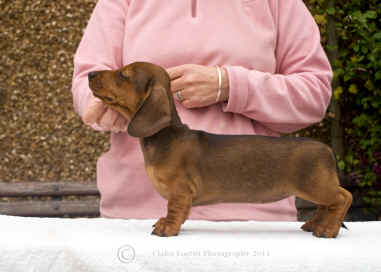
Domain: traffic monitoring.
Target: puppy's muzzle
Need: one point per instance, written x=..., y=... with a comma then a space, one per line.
x=95, y=81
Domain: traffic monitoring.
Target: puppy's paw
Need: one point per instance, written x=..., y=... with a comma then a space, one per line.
x=309, y=226
x=165, y=229
x=327, y=231
x=159, y=222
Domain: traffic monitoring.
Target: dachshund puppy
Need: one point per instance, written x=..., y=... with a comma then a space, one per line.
x=190, y=167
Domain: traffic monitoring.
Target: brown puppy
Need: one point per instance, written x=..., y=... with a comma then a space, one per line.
x=189, y=167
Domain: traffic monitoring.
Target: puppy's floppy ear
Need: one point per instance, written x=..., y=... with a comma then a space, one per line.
x=153, y=114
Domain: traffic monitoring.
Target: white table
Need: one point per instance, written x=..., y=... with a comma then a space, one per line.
x=52, y=245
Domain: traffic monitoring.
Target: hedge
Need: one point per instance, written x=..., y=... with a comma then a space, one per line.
x=357, y=87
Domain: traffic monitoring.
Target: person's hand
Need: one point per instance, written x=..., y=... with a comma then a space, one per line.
x=107, y=119
x=198, y=85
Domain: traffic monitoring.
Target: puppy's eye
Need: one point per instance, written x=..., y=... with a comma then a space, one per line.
x=108, y=99
x=123, y=76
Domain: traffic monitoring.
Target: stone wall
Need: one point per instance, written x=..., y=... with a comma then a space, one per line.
x=41, y=137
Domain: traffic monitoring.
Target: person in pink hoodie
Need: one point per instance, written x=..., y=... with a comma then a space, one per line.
x=275, y=78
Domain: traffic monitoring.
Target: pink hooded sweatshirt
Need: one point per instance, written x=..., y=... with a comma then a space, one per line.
x=279, y=79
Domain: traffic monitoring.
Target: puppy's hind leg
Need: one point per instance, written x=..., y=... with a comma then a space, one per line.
x=334, y=202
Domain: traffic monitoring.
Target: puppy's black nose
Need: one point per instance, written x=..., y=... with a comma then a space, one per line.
x=92, y=75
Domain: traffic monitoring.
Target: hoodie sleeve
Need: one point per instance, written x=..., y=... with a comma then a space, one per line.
x=100, y=48
x=299, y=93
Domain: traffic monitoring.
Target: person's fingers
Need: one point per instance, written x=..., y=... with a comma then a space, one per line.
x=194, y=86
x=178, y=84
x=108, y=119
x=188, y=104
x=93, y=111
x=120, y=124
x=176, y=71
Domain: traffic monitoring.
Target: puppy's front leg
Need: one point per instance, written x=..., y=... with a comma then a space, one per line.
x=178, y=210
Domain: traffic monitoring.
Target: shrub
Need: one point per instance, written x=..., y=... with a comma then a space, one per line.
x=358, y=73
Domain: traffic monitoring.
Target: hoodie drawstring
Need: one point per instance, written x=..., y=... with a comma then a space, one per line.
x=194, y=8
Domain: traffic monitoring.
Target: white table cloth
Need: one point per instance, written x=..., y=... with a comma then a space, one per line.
x=54, y=244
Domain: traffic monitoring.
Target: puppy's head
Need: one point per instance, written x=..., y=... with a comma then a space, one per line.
x=139, y=92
